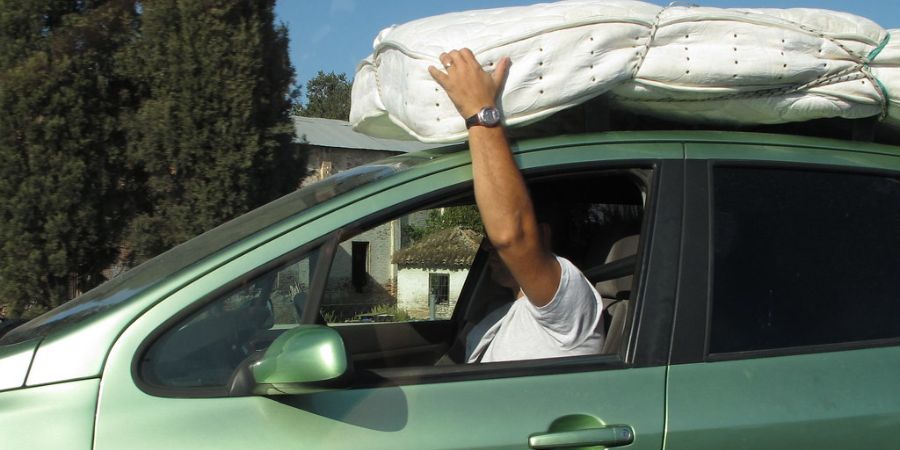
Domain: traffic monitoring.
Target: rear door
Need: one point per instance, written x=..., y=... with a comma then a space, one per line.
x=787, y=332
x=616, y=397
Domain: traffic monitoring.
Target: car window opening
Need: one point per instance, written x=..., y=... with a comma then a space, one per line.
x=403, y=293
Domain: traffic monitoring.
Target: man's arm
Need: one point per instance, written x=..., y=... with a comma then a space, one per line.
x=500, y=192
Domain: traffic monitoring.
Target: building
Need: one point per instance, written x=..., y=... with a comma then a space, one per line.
x=362, y=274
x=333, y=147
x=431, y=271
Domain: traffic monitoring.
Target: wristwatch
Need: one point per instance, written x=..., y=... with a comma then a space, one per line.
x=489, y=116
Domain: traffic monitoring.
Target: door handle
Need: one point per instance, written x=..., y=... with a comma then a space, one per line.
x=608, y=436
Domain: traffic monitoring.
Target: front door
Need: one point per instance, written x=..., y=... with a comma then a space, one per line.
x=165, y=384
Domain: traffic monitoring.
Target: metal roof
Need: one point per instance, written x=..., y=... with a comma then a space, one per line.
x=339, y=134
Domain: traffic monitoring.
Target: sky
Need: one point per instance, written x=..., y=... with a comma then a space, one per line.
x=334, y=35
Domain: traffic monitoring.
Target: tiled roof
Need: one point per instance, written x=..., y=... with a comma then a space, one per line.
x=451, y=248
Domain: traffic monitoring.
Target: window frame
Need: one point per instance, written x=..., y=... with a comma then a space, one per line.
x=442, y=281
x=692, y=332
x=649, y=321
x=326, y=245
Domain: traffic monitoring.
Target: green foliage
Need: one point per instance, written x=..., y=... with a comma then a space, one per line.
x=327, y=96
x=132, y=125
x=61, y=148
x=330, y=316
x=466, y=216
x=212, y=138
x=398, y=314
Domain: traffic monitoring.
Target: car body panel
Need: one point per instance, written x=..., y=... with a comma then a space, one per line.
x=54, y=416
x=833, y=396
x=398, y=416
x=14, y=362
x=488, y=414
x=836, y=400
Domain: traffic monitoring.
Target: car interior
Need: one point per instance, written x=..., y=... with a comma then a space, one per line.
x=597, y=225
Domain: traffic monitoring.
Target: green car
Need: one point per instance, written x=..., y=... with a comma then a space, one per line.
x=752, y=300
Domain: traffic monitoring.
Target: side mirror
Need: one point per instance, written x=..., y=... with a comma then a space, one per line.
x=304, y=359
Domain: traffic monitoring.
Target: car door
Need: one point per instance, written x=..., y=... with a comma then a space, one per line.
x=616, y=398
x=787, y=330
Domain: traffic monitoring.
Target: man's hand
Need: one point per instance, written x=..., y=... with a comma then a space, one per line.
x=467, y=84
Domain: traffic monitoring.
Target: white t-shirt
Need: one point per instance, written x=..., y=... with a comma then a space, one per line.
x=567, y=326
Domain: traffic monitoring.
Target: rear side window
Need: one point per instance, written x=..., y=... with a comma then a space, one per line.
x=803, y=258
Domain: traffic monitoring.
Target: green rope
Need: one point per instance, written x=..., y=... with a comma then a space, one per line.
x=885, y=96
x=874, y=53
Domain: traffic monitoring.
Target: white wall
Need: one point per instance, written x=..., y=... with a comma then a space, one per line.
x=412, y=289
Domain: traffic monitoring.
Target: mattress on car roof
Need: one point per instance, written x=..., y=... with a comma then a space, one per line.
x=696, y=64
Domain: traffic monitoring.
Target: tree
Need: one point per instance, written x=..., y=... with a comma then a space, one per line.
x=465, y=216
x=212, y=137
x=61, y=147
x=327, y=96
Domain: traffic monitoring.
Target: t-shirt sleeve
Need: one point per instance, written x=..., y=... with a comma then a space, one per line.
x=574, y=311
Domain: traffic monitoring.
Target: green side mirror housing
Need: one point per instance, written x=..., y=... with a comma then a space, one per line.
x=307, y=358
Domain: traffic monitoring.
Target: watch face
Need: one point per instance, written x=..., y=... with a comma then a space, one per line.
x=490, y=116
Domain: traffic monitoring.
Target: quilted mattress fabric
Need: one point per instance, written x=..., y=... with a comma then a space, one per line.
x=731, y=66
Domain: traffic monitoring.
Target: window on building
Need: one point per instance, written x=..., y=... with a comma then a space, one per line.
x=438, y=288
x=360, y=264
x=803, y=258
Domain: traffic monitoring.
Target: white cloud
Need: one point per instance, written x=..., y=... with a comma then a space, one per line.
x=343, y=6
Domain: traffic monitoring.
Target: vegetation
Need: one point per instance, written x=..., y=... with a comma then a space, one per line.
x=395, y=312
x=128, y=127
x=327, y=96
x=211, y=138
x=63, y=181
x=465, y=216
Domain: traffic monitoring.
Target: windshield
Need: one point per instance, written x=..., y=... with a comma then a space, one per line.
x=135, y=281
